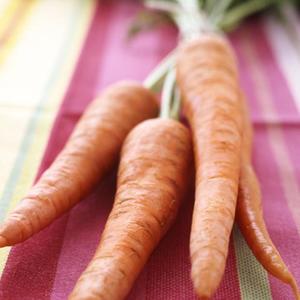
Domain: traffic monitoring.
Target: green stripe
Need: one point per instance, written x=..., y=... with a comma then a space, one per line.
x=33, y=122
x=253, y=278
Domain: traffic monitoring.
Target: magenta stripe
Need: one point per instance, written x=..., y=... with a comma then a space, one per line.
x=31, y=266
x=277, y=214
x=132, y=59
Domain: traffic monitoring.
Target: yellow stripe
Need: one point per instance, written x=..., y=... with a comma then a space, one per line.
x=6, y=49
x=8, y=14
x=3, y=6
x=56, y=94
x=12, y=39
x=6, y=18
x=45, y=122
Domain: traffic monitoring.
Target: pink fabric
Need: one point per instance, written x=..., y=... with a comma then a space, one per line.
x=48, y=265
x=282, y=229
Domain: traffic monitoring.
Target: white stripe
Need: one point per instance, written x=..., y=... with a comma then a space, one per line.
x=3, y=4
x=285, y=39
x=25, y=72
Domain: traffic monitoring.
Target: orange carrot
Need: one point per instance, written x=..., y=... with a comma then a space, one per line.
x=249, y=216
x=89, y=153
x=207, y=78
x=151, y=181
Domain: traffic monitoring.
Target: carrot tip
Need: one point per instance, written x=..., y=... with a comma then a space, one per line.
x=295, y=288
x=3, y=242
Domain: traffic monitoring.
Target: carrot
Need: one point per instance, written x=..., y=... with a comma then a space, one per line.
x=249, y=216
x=152, y=178
x=207, y=78
x=89, y=153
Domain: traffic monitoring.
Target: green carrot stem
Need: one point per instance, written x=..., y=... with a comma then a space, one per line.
x=167, y=94
x=155, y=79
x=175, y=110
x=236, y=14
x=219, y=10
x=163, y=5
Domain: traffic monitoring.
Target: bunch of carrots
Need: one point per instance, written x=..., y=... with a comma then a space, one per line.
x=155, y=159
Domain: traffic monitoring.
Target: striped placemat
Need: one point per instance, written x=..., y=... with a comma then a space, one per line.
x=55, y=56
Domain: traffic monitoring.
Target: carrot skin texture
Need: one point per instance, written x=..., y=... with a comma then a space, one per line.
x=152, y=179
x=208, y=80
x=249, y=215
x=90, y=152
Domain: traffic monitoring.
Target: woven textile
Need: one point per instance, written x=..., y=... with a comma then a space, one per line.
x=55, y=56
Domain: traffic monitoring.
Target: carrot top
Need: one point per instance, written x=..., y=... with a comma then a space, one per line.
x=193, y=18
x=223, y=15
